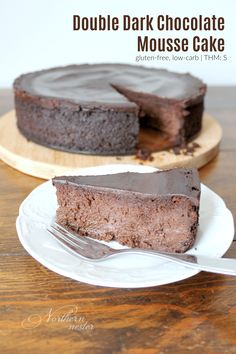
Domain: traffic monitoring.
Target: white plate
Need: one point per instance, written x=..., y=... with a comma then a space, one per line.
x=214, y=237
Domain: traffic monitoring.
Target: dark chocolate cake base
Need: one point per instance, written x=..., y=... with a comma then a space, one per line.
x=97, y=131
x=148, y=210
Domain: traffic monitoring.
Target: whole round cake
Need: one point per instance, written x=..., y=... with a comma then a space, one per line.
x=99, y=109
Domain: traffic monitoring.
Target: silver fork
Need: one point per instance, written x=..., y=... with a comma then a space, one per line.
x=91, y=250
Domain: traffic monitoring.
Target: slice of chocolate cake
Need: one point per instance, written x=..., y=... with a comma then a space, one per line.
x=156, y=210
x=170, y=102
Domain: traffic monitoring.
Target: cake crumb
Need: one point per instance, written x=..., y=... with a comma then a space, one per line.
x=144, y=155
x=177, y=150
x=187, y=150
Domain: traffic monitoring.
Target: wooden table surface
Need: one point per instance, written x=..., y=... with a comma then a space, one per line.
x=196, y=315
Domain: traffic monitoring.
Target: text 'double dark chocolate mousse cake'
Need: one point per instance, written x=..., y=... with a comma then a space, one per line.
x=158, y=210
x=99, y=109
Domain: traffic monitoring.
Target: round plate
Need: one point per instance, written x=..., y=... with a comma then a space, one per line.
x=215, y=234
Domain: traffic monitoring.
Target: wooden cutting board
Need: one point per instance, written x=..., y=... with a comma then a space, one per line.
x=39, y=161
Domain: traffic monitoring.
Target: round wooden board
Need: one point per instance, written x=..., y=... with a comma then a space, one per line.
x=39, y=161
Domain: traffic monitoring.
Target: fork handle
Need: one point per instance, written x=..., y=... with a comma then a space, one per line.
x=208, y=264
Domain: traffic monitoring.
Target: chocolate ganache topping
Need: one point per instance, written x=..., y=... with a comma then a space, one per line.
x=95, y=83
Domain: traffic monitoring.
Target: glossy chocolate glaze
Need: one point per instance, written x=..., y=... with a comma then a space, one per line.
x=92, y=84
x=178, y=181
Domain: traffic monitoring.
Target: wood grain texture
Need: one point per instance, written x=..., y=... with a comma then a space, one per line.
x=41, y=311
x=42, y=162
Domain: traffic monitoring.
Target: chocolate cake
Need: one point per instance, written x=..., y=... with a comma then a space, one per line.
x=98, y=109
x=156, y=210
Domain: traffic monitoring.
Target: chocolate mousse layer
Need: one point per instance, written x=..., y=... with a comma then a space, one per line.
x=98, y=109
x=156, y=210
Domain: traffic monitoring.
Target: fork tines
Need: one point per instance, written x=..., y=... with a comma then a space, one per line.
x=79, y=245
